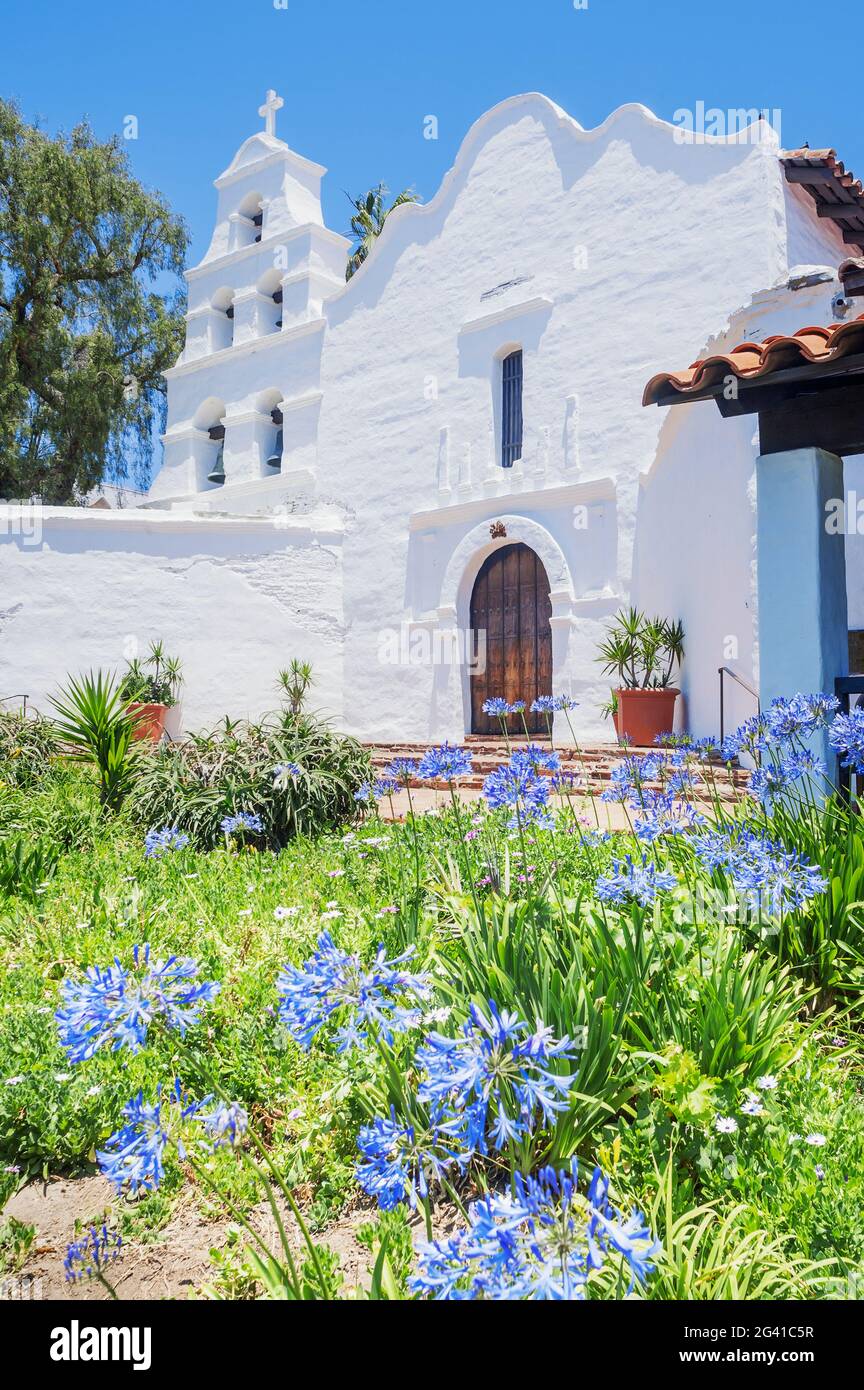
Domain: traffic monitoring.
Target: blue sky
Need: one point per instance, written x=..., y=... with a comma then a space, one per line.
x=358, y=80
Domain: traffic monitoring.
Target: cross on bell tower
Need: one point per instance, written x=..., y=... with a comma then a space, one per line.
x=268, y=111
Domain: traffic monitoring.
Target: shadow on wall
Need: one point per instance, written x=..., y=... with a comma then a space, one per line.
x=648, y=143
x=695, y=550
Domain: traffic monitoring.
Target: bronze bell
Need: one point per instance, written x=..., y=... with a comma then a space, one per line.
x=275, y=459
x=218, y=473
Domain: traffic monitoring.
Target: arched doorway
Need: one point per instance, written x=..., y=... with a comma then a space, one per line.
x=511, y=604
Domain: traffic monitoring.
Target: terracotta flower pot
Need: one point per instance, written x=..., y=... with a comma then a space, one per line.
x=149, y=721
x=643, y=714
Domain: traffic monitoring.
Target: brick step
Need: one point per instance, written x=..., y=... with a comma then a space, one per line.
x=594, y=763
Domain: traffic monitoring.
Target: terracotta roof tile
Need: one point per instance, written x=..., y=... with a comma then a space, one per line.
x=750, y=360
x=838, y=195
x=851, y=272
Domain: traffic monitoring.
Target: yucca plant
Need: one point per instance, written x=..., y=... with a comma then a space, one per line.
x=154, y=680
x=641, y=652
x=295, y=683
x=93, y=722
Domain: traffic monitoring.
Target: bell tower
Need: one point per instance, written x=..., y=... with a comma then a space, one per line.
x=255, y=328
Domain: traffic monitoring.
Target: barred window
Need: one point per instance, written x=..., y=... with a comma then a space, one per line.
x=511, y=412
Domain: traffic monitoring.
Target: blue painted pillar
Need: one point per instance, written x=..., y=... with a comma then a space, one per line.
x=803, y=623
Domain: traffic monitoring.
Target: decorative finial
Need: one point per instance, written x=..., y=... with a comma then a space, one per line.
x=268, y=111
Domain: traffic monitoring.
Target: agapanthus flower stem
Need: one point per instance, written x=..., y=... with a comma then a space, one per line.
x=463, y=851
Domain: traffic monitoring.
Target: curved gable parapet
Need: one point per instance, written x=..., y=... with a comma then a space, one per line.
x=697, y=157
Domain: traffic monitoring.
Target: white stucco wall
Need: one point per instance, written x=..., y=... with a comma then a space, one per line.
x=235, y=600
x=634, y=249
x=606, y=256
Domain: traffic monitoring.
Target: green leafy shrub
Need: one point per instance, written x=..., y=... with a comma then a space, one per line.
x=28, y=749
x=195, y=784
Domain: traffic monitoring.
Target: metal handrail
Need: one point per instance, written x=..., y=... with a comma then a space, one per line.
x=844, y=686
x=24, y=698
x=722, y=672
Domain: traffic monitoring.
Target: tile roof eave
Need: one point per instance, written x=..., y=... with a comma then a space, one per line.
x=813, y=345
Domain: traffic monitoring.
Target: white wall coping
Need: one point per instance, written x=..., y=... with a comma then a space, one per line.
x=278, y=153
x=228, y=258
x=145, y=519
x=512, y=311
x=301, y=402
x=592, y=490
x=247, y=349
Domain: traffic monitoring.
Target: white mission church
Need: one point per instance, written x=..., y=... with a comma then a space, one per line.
x=447, y=458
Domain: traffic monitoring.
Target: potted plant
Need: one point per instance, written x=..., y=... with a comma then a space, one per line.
x=643, y=653
x=149, y=689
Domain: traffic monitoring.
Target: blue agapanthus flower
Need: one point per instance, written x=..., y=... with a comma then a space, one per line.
x=772, y=878
x=797, y=718
x=165, y=841
x=368, y=792
x=497, y=708
x=551, y=704
x=545, y=704
x=629, y=778
x=92, y=1254
x=225, y=1124
x=445, y=764
x=518, y=788
x=785, y=722
x=113, y=1007
x=242, y=821
x=496, y=1080
x=285, y=772
x=629, y=880
x=402, y=771
x=683, y=780
x=539, y=1242
x=334, y=984
x=748, y=738
x=660, y=814
x=134, y=1157
x=401, y=1162
x=774, y=778
x=847, y=738
x=706, y=748
x=535, y=758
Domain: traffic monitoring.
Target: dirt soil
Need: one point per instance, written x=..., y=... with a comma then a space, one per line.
x=175, y=1265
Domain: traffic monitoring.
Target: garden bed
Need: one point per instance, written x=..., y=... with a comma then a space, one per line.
x=702, y=1064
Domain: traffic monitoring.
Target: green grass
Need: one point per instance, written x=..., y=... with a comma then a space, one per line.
x=679, y=1024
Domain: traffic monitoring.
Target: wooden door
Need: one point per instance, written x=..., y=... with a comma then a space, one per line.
x=511, y=604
